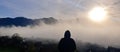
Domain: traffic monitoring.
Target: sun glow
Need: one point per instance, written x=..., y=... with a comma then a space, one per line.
x=97, y=14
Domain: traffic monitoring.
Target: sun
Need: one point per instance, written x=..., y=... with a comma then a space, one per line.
x=97, y=14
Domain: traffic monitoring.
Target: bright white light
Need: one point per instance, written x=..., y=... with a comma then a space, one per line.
x=97, y=14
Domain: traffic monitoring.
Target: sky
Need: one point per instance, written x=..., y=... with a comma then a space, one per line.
x=54, y=8
x=106, y=33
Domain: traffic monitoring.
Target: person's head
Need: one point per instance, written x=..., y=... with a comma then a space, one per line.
x=67, y=34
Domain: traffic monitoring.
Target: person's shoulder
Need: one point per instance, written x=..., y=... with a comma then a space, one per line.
x=71, y=39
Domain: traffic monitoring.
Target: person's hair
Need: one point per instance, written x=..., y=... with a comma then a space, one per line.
x=67, y=34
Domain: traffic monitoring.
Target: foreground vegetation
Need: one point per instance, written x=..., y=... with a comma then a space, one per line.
x=16, y=43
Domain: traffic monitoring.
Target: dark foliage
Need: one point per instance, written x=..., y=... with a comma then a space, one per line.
x=20, y=44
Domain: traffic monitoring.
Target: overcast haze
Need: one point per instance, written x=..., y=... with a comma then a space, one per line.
x=54, y=8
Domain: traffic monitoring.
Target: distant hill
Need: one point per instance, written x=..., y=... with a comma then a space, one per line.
x=22, y=21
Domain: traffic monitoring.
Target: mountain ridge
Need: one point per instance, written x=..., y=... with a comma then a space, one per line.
x=23, y=21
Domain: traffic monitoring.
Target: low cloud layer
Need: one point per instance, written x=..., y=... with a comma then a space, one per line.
x=103, y=34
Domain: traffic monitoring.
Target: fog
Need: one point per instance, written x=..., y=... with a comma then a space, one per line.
x=103, y=33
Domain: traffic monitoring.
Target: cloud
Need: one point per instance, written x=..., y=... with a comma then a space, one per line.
x=57, y=8
x=41, y=8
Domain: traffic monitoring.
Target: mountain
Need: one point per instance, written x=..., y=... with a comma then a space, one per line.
x=22, y=21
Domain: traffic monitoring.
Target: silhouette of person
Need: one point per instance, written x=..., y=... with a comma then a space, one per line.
x=67, y=44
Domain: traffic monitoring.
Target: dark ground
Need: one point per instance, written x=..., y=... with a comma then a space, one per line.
x=16, y=43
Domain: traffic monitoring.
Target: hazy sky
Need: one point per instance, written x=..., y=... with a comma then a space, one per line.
x=105, y=33
x=54, y=8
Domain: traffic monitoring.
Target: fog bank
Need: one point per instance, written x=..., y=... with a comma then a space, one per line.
x=103, y=34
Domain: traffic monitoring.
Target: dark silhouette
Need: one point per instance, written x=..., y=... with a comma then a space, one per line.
x=67, y=44
x=23, y=21
x=16, y=43
x=112, y=49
